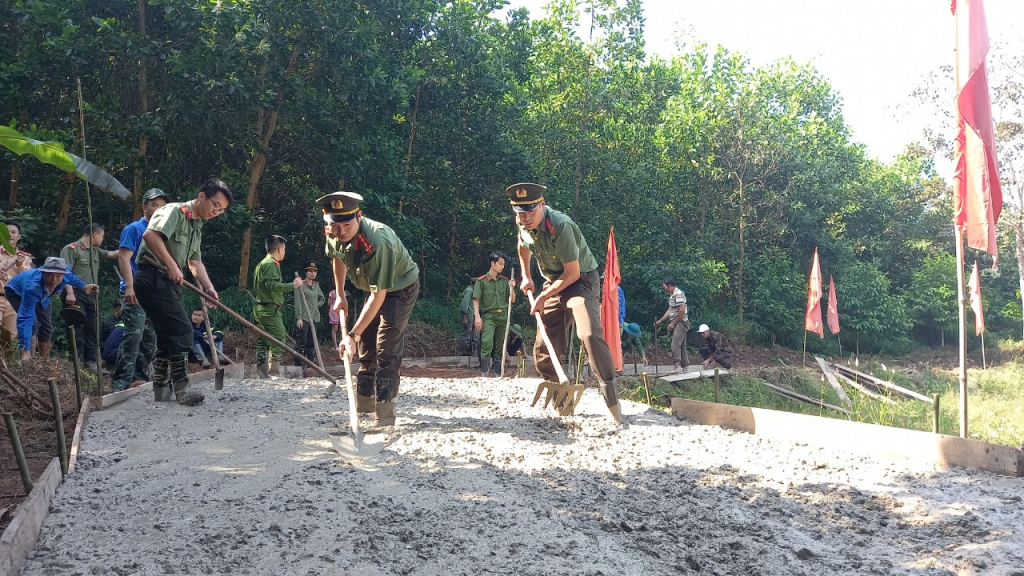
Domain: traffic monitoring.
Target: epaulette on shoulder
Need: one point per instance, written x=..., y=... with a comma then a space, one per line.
x=482, y=277
x=74, y=245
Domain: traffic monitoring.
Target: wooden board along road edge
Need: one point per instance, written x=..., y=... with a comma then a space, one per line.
x=871, y=439
x=22, y=533
x=76, y=439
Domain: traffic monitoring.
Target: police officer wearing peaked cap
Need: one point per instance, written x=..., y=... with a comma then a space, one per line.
x=571, y=285
x=308, y=294
x=372, y=256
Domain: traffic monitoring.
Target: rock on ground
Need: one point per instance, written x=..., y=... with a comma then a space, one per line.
x=475, y=481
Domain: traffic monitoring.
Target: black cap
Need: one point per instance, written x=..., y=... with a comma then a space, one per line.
x=340, y=206
x=525, y=196
x=154, y=193
x=311, y=265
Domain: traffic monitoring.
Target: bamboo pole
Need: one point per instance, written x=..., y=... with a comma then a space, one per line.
x=962, y=303
x=935, y=413
x=62, y=442
x=19, y=452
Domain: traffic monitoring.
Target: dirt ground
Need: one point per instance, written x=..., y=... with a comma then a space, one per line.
x=475, y=481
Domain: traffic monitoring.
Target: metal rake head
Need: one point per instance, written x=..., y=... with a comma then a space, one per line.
x=563, y=397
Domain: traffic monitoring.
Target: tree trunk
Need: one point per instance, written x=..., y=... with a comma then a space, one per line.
x=143, y=109
x=739, y=270
x=12, y=201
x=266, y=125
x=1018, y=229
x=65, y=204
x=412, y=131
x=452, y=249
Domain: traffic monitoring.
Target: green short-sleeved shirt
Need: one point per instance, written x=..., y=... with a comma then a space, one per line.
x=77, y=255
x=376, y=259
x=267, y=282
x=466, y=305
x=314, y=297
x=491, y=292
x=556, y=241
x=182, y=230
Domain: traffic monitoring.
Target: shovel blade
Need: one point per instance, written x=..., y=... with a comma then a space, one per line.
x=563, y=397
x=357, y=447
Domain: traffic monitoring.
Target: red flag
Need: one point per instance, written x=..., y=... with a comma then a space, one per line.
x=833, y=308
x=610, y=301
x=977, y=197
x=812, y=321
x=979, y=313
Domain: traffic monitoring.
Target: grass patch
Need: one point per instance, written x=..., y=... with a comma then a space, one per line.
x=995, y=395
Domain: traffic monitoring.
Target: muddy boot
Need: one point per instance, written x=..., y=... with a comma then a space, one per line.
x=161, y=380
x=183, y=393
x=365, y=404
x=485, y=367
x=386, y=413
x=263, y=370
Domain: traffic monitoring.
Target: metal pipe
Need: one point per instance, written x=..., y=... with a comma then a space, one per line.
x=716, y=384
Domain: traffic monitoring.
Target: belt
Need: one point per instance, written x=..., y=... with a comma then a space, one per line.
x=268, y=304
x=495, y=311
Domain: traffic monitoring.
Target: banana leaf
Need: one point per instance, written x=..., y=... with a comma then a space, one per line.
x=53, y=153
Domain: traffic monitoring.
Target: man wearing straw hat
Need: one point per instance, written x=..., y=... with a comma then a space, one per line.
x=372, y=256
x=30, y=292
x=572, y=290
x=173, y=238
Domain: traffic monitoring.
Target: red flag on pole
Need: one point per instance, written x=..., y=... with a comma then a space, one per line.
x=975, y=298
x=812, y=321
x=610, y=301
x=977, y=197
x=833, y=307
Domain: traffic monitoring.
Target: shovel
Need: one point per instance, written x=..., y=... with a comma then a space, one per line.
x=562, y=395
x=206, y=297
x=357, y=446
x=218, y=376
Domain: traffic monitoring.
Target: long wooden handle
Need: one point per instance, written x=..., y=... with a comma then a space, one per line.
x=209, y=335
x=543, y=334
x=508, y=323
x=243, y=321
x=353, y=416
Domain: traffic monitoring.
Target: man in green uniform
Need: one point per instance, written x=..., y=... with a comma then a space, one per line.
x=270, y=291
x=491, y=293
x=83, y=257
x=469, y=342
x=173, y=238
x=572, y=289
x=309, y=292
x=372, y=256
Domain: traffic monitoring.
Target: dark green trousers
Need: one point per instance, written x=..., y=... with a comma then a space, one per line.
x=268, y=317
x=138, y=346
x=383, y=345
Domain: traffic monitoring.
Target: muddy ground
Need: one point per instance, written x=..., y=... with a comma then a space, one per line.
x=475, y=481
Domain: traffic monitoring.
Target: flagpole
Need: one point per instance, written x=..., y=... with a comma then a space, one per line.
x=984, y=366
x=962, y=302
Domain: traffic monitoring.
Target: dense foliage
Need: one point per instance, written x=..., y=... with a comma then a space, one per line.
x=720, y=174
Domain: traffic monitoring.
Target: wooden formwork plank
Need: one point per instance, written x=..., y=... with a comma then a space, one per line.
x=680, y=376
x=859, y=437
x=22, y=533
x=108, y=400
x=76, y=439
x=831, y=377
x=884, y=384
x=863, y=389
x=801, y=398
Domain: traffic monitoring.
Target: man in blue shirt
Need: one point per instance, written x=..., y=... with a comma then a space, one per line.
x=30, y=292
x=138, y=343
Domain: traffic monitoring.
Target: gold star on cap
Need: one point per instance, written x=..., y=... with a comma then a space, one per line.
x=340, y=206
x=525, y=195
